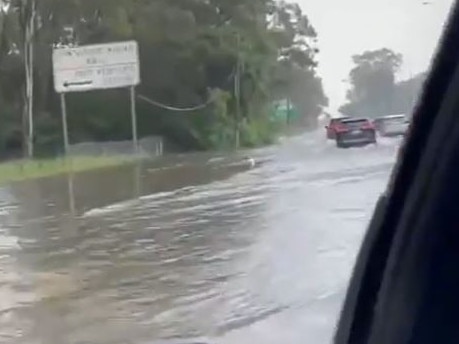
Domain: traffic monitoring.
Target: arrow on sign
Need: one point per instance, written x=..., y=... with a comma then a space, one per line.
x=77, y=83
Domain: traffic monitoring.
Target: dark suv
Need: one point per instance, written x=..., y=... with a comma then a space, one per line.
x=354, y=132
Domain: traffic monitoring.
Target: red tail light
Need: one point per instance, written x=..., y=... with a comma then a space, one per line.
x=368, y=125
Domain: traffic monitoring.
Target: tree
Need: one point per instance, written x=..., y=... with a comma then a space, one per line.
x=295, y=75
x=372, y=81
x=190, y=51
x=407, y=92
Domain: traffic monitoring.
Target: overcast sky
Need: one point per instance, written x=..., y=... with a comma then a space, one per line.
x=348, y=27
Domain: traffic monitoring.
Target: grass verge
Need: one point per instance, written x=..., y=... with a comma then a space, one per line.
x=32, y=169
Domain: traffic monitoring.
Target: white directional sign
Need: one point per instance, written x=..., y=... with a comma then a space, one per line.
x=93, y=67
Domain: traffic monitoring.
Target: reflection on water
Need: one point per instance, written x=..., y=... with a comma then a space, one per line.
x=195, y=246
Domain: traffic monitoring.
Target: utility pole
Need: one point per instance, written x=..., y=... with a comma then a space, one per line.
x=29, y=33
x=237, y=93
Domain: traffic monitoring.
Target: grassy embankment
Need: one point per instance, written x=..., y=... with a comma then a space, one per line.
x=32, y=169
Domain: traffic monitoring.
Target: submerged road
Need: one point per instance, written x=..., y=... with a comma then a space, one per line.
x=195, y=248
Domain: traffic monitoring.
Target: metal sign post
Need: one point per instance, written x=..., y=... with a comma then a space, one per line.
x=65, y=133
x=135, y=140
x=71, y=193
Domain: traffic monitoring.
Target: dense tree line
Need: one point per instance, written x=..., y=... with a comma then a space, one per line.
x=190, y=53
x=407, y=93
x=375, y=90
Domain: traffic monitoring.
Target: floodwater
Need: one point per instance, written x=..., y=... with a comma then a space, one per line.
x=193, y=249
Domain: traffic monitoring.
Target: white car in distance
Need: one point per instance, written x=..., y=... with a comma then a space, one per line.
x=391, y=125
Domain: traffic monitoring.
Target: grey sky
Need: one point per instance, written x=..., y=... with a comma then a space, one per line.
x=347, y=27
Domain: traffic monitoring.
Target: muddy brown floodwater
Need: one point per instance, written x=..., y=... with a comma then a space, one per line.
x=193, y=248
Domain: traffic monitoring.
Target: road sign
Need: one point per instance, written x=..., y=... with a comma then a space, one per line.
x=284, y=111
x=93, y=67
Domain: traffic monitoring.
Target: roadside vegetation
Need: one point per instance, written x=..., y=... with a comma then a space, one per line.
x=228, y=59
x=19, y=170
x=374, y=88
